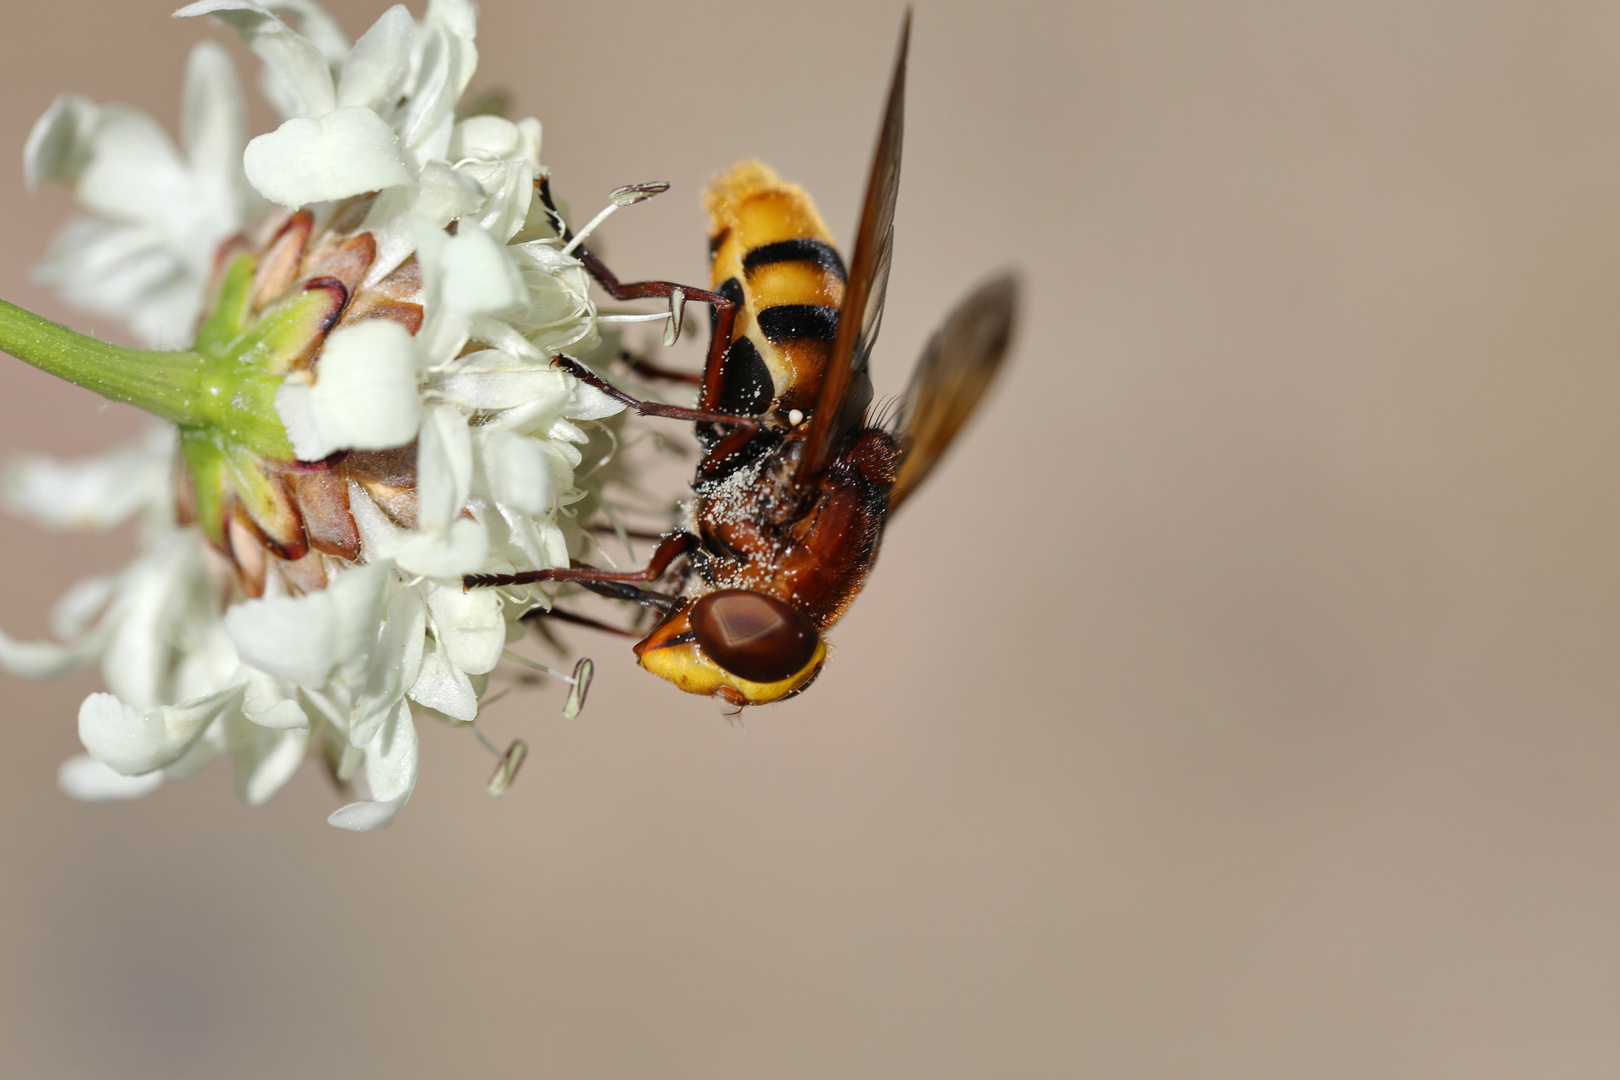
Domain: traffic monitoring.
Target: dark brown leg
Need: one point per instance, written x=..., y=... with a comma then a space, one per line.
x=725, y=311
x=578, y=620
x=669, y=549
x=743, y=428
x=642, y=366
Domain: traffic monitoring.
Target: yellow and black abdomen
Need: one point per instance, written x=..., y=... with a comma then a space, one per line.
x=772, y=256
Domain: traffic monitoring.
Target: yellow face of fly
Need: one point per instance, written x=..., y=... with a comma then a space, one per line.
x=671, y=652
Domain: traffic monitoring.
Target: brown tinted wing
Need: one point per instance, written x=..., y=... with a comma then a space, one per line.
x=956, y=368
x=846, y=390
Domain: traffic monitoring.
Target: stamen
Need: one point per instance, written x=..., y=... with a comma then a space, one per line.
x=579, y=237
x=631, y=194
x=618, y=529
x=583, y=671
x=677, y=308
x=506, y=771
x=625, y=196
x=535, y=664
x=481, y=738
x=606, y=555
x=660, y=316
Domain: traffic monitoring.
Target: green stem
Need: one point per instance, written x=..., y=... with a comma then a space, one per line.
x=224, y=394
x=165, y=383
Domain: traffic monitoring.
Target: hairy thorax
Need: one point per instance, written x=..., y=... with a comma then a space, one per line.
x=811, y=548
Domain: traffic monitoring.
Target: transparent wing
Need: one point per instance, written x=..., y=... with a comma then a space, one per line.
x=846, y=390
x=956, y=368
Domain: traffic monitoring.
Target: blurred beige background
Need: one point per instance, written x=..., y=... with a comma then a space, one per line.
x=1240, y=701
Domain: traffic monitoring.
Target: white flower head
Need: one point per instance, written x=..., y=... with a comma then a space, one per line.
x=392, y=297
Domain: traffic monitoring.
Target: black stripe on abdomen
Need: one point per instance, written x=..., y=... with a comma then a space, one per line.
x=746, y=389
x=732, y=290
x=800, y=250
x=798, y=322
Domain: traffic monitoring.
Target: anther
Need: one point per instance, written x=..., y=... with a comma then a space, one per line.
x=583, y=672
x=506, y=770
x=634, y=193
x=625, y=196
x=677, y=310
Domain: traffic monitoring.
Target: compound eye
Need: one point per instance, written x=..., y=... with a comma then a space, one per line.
x=753, y=636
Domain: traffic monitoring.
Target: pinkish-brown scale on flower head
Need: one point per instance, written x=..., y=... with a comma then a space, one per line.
x=281, y=259
x=389, y=477
x=323, y=496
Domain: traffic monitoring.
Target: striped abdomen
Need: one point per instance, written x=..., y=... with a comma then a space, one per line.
x=772, y=254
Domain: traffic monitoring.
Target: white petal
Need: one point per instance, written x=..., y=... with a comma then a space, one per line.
x=129, y=272
x=59, y=146
x=47, y=659
x=509, y=188
x=200, y=754
x=83, y=777
x=391, y=764
x=298, y=66
x=444, y=467
x=207, y=661
x=501, y=335
x=162, y=598
x=446, y=59
x=302, y=639
x=133, y=743
x=479, y=277
x=494, y=379
x=291, y=638
x=267, y=705
x=470, y=626
x=91, y=493
x=487, y=138
x=458, y=17
x=357, y=601
x=529, y=131
x=344, y=152
x=440, y=195
x=379, y=536
x=365, y=395
x=80, y=605
x=264, y=759
x=367, y=816
x=518, y=471
x=165, y=626
x=391, y=759
x=314, y=23
x=375, y=72
x=445, y=687
x=134, y=172
x=393, y=667
x=444, y=326
x=588, y=403
x=213, y=115
x=459, y=550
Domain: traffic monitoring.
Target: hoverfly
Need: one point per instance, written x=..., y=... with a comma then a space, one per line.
x=795, y=486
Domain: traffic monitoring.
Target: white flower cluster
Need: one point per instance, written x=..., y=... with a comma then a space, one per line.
x=193, y=670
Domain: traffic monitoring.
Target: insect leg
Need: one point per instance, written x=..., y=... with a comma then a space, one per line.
x=743, y=428
x=670, y=548
x=644, y=367
x=724, y=309
x=578, y=620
